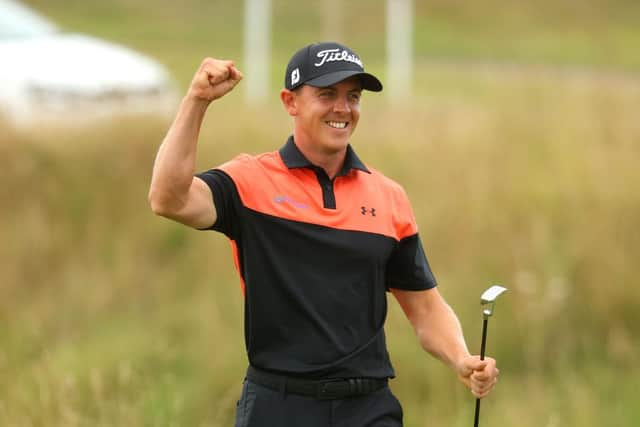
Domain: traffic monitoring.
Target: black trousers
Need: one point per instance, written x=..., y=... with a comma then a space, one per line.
x=262, y=407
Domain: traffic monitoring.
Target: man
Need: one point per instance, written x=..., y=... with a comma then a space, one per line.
x=318, y=238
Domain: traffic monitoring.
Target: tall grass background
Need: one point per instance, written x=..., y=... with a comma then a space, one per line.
x=518, y=149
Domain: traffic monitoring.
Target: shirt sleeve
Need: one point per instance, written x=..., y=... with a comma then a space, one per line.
x=226, y=201
x=408, y=268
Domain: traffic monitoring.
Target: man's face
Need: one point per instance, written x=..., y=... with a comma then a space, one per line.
x=328, y=116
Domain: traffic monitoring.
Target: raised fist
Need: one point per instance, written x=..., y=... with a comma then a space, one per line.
x=214, y=79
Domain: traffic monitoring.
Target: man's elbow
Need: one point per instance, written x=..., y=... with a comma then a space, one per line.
x=159, y=204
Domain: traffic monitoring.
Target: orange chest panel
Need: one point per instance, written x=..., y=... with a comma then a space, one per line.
x=364, y=202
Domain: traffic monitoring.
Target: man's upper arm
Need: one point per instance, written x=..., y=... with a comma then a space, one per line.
x=417, y=304
x=199, y=210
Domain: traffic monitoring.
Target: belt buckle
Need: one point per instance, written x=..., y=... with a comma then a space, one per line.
x=330, y=390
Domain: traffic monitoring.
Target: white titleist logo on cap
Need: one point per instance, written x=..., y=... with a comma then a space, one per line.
x=331, y=55
x=295, y=76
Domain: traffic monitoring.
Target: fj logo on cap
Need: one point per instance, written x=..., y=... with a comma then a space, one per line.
x=295, y=76
x=331, y=55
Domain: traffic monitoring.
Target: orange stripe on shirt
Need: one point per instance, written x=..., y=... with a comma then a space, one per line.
x=364, y=202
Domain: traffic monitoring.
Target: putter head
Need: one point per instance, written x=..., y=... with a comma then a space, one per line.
x=488, y=299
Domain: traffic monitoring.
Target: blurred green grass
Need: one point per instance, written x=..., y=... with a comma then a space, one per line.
x=518, y=151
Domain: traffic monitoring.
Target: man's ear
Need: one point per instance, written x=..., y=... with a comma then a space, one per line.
x=288, y=99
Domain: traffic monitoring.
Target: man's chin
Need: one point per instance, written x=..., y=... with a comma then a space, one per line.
x=339, y=139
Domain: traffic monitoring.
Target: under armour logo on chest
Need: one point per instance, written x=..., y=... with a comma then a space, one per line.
x=365, y=211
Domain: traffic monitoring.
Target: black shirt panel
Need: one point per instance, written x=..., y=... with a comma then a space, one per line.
x=300, y=322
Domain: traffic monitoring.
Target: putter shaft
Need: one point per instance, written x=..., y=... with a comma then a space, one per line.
x=483, y=346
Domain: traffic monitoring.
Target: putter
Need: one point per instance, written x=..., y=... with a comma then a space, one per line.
x=488, y=302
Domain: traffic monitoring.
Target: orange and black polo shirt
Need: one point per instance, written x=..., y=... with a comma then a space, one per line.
x=316, y=257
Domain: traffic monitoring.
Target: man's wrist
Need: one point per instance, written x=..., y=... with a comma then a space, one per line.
x=196, y=101
x=458, y=363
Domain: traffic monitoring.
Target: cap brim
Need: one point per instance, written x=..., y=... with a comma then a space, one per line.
x=369, y=81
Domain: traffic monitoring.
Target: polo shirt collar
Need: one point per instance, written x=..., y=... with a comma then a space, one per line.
x=293, y=159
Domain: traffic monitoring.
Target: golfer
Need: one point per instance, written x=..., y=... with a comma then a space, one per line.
x=319, y=238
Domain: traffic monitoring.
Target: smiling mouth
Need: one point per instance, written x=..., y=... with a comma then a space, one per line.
x=337, y=125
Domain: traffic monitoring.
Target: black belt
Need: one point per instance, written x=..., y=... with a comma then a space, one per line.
x=320, y=389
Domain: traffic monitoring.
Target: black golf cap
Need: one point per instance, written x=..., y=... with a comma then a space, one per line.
x=325, y=64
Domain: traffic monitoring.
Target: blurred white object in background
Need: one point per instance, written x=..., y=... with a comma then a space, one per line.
x=399, y=50
x=47, y=75
x=257, y=49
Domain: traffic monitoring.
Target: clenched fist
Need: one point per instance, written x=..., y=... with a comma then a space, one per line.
x=214, y=79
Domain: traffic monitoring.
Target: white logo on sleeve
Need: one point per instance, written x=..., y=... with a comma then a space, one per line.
x=295, y=76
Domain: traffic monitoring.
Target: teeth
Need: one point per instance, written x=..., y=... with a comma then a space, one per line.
x=337, y=125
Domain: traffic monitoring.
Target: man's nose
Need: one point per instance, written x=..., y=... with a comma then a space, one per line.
x=341, y=105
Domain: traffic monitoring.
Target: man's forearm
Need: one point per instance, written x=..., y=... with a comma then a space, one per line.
x=441, y=335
